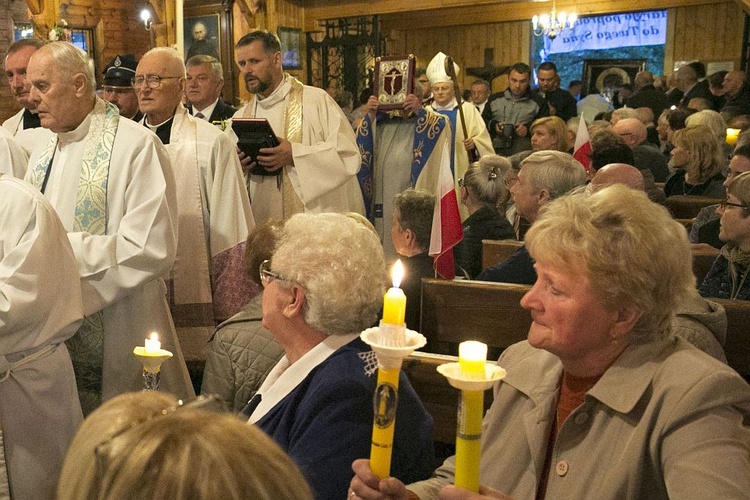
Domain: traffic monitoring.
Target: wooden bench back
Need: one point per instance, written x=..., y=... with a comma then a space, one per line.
x=687, y=207
x=454, y=311
x=497, y=251
x=737, y=345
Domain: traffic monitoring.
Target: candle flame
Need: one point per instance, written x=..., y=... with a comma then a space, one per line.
x=397, y=273
x=153, y=336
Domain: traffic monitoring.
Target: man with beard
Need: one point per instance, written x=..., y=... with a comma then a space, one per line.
x=512, y=113
x=556, y=101
x=24, y=125
x=314, y=167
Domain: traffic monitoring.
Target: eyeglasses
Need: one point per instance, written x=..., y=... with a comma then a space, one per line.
x=103, y=449
x=724, y=204
x=266, y=275
x=151, y=81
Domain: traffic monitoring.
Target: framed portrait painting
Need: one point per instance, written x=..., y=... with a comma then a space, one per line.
x=291, y=57
x=202, y=36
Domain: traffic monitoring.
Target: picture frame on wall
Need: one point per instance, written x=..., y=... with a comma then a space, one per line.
x=603, y=73
x=291, y=51
x=202, y=36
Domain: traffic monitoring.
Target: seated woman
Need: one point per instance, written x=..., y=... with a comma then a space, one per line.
x=603, y=401
x=549, y=132
x=323, y=286
x=150, y=445
x=699, y=162
x=482, y=191
x=243, y=351
x=727, y=278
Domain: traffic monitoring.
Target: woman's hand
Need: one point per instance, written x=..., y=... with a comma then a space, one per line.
x=366, y=485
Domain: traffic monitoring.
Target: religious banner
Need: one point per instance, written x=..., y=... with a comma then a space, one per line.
x=394, y=80
x=611, y=31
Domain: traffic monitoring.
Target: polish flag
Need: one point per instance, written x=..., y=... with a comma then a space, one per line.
x=582, y=149
x=446, y=221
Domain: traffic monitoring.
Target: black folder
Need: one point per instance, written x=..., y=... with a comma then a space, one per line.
x=254, y=134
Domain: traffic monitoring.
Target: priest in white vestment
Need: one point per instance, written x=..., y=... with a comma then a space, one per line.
x=210, y=283
x=314, y=168
x=112, y=186
x=445, y=103
x=13, y=158
x=24, y=125
x=40, y=307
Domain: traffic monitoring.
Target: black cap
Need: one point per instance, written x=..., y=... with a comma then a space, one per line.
x=120, y=71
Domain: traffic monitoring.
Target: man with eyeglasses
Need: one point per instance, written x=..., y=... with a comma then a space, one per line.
x=208, y=280
x=314, y=168
x=24, y=126
x=728, y=277
x=205, y=79
x=112, y=186
x=707, y=224
x=117, y=88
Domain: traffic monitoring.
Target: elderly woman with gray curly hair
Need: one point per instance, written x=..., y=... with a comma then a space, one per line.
x=603, y=400
x=323, y=286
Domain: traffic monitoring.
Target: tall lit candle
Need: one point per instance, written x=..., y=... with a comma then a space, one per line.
x=472, y=357
x=394, y=301
x=153, y=345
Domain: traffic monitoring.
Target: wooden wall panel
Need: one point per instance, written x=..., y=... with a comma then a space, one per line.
x=466, y=44
x=707, y=33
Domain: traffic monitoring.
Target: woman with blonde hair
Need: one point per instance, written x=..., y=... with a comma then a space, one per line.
x=698, y=158
x=603, y=400
x=549, y=132
x=482, y=190
x=150, y=445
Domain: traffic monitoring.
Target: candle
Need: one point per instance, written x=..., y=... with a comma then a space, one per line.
x=732, y=134
x=153, y=345
x=386, y=399
x=394, y=301
x=472, y=357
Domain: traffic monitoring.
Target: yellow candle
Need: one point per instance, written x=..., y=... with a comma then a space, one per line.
x=472, y=357
x=732, y=134
x=386, y=399
x=152, y=343
x=394, y=301
x=469, y=440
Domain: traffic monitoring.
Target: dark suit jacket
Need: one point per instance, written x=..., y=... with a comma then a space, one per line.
x=700, y=89
x=650, y=97
x=564, y=103
x=487, y=114
x=222, y=111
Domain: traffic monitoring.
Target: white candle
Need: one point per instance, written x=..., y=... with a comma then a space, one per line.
x=152, y=343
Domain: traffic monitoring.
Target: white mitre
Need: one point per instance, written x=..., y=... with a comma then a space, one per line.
x=436, y=70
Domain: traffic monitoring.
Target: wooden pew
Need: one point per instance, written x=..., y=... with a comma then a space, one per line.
x=438, y=397
x=687, y=207
x=454, y=311
x=737, y=346
x=497, y=251
x=702, y=262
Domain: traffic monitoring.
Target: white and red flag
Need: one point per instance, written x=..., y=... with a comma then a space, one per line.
x=582, y=149
x=446, y=222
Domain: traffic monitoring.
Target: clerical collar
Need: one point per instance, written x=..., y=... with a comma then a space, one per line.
x=278, y=95
x=31, y=119
x=77, y=134
x=451, y=105
x=163, y=130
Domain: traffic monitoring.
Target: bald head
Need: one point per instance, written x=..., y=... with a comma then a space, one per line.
x=733, y=81
x=618, y=173
x=685, y=78
x=632, y=131
x=159, y=102
x=642, y=79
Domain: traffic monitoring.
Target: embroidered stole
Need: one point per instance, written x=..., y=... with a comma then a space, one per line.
x=291, y=202
x=191, y=298
x=87, y=345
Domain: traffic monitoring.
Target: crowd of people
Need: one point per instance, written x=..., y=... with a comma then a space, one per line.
x=130, y=209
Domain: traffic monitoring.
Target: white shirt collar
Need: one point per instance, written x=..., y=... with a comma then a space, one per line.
x=448, y=106
x=278, y=95
x=206, y=112
x=285, y=377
